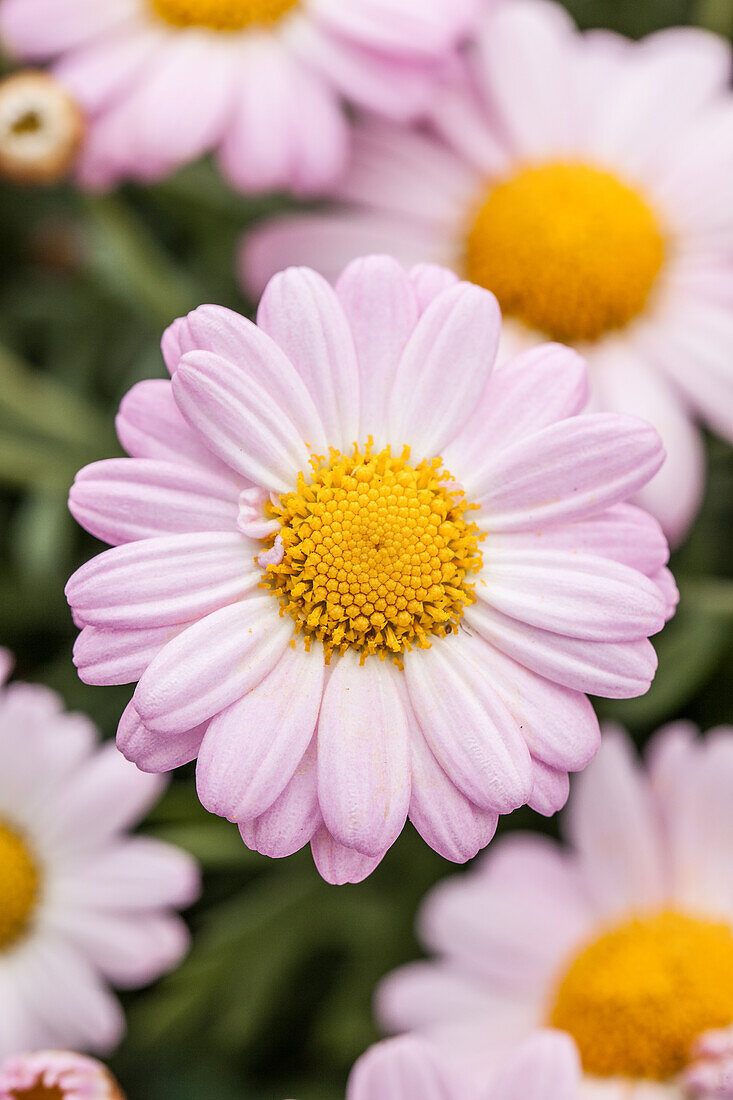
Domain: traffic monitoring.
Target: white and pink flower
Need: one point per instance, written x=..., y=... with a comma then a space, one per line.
x=359, y=575
x=543, y=1067
x=259, y=82
x=84, y=905
x=585, y=179
x=622, y=938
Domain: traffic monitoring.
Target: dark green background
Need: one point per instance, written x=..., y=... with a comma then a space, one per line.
x=274, y=999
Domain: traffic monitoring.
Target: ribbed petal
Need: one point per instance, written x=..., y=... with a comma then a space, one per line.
x=165, y=581
x=294, y=816
x=614, y=670
x=566, y=472
x=239, y=420
x=382, y=310
x=302, y=314
x=252, y=748
x=340, y=865
x=122, y=499
x=579, y=595
x=471, y=733
x=363, y=755
x=211, y=664
x=426, y=409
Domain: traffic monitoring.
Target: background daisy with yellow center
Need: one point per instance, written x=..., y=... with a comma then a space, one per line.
x=85, y=906
x=585, y=180
x=261, y=83
x=358, y=575
x=623, y=939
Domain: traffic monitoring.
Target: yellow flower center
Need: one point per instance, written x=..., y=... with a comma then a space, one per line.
x=636, y=998
x=375, y=553
x=566, y=248
x=19, y=886
x=222, y=15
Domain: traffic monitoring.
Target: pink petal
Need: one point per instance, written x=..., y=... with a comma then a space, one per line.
x=402, y=1068
x=470, y=732
x=363, y=755
x=254, y=358
x=568, y=471
x=105, y=655
x=328, y=242
x=614, y=828
x=122, y=499
x=448, y=821
x=165, y=581
x=340, y=865
x=402, y=27
x=460, y=327
x=302, y=314
x=544, y=1067
x=39, y=29
x=100, y=71
x=614, y=670
x=525, y=68
x=430, y=280
x=252, y=748
x=381, y=308
x=538, y=388
x=149, y=425
x=550, y=789
x=287, y=130
x=105, y=798
x=625, y=383
x=156, y=752
x=624, y=533
x=211, y=664
x=575, y=594
x=131, y=874
x=294, y=816
x=239, y=420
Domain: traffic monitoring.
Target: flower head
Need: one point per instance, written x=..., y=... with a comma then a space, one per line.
x=358, y=575
x=41, y=128
x=258, y=82
x=56, y=1075
x=544, y=1067
x=84, y=904
x=582, y=179
x=624, y=941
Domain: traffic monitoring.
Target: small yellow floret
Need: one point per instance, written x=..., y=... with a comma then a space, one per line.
x=637, y=998
x=376, y=553
x=567, y=248
x=222, y=15
x=19, y=885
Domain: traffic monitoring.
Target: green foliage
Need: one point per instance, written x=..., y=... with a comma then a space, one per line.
x=275, y=997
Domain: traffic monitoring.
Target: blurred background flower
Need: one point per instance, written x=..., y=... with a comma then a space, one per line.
x=275, y=996
x=555, y=163
x=83, y=903
x=623, y=939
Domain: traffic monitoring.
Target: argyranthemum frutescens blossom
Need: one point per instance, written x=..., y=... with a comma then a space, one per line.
x=543, y=1067
x=623, y=939
x=258, y=81
x=83, y=903
x=359, y=575
x=56, y=1075
x=585, y=179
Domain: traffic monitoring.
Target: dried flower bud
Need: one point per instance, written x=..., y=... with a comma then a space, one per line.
x=41, y=128
x=56, y=1075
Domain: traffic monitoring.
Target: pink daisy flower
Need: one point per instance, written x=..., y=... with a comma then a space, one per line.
x=56, y=1075
x=84, y=904
x=585, y=179
x=623, y=938
x=359, y=576
x=543, y=1067
x=258, y=82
